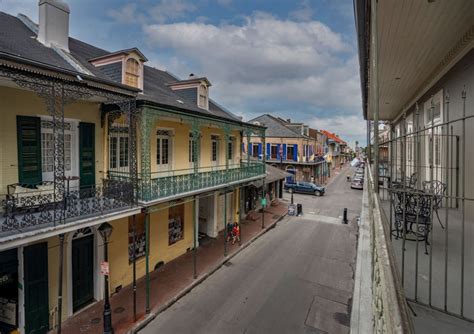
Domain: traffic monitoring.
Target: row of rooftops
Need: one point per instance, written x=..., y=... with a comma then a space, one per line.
x=21, y=48
x=25, y=42
x=285, y=128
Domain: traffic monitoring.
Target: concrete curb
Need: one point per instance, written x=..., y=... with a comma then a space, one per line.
x=153, y=314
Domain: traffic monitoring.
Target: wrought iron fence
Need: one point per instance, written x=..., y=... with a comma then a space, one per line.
x=379, y=305
x=178, y=181
x=31, y=207
x=427, y=195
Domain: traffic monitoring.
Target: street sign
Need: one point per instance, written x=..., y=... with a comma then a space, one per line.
x=264, y=202
x=104, y=268
x=291, y=210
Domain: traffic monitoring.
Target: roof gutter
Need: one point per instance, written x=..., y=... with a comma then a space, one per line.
x=362, y=22
x=124, y=89
x=187, y=112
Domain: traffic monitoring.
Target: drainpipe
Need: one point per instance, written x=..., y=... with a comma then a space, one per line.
x=375, y=88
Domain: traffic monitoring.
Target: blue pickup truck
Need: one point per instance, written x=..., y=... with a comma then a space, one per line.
x=305, y=188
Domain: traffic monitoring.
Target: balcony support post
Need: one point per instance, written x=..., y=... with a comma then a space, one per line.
x=134, y=267
x=225, y=223
x=247, y=133
x=60, y=281
x=147, y=261
x=195, y=234
x=264, y=158
x=146, y=125
x=226, y=148
x=241, y=207
x=196, y=147
x=196, y=135
x=132, y=150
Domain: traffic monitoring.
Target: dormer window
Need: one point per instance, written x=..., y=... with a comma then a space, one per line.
x=203, y=97
x=125, y=66
x=194, y=89
x=132, y=72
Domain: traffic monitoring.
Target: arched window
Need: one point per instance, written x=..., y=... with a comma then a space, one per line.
x=132, y=72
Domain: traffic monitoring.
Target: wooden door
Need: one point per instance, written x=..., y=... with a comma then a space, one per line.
x=82, y=272
x=36, y=288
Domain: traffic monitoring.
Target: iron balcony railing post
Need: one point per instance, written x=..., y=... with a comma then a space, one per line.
x=446, y=223
x=463, y=194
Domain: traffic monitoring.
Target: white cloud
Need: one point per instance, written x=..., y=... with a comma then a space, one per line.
x=171, y=9
x=349, y=128
x=125, y=14
x=162, y=12
x=267, y=58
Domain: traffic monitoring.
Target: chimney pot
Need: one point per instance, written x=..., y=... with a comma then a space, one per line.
x=54, y=23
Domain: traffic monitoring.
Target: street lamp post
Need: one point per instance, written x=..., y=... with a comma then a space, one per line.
x=105, y=231
x=291, y=192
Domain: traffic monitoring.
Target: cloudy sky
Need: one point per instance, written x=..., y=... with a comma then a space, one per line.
x=290, y=58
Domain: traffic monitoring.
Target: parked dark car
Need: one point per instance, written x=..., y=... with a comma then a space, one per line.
x=305, y=188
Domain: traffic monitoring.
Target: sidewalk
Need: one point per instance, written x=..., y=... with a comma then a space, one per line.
x=171, y=281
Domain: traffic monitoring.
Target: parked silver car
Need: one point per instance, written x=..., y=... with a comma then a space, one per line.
x=357, y=182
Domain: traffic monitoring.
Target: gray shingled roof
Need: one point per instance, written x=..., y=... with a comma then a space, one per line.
x=17, y=39
x=274, y=174
x=275, y=127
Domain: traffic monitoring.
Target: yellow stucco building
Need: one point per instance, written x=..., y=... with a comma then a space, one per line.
x=89, y=137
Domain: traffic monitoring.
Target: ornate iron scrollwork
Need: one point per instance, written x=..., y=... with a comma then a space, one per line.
x=62, y=205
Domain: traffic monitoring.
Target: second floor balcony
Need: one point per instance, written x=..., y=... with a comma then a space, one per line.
x=26, y=208
x=167, y=185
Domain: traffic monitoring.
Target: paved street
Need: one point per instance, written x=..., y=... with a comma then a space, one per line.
x=339, y=195
x=297, y=278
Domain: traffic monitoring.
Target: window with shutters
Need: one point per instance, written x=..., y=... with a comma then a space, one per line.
x=29, y=150
x=163, y=148
x=203, y=97
x=255, y=150
x=118, y=150
x=132, y=73
x=47, y=146
x=290, y=152
x=214, y=148
x=230, y=149
x=274, y=151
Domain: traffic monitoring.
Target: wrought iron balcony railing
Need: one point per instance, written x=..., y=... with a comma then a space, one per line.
x=27, y=208
x=379, y=304
x=179, y=181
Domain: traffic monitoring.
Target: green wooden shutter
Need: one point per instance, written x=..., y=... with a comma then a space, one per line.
x=87, y=154
x=29, y=149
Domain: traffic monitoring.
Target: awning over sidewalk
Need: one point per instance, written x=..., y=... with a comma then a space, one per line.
x=275, y=174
